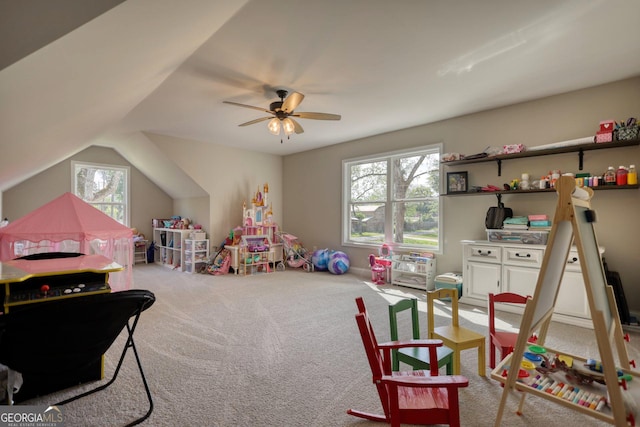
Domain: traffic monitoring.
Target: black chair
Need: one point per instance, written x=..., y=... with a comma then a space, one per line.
x=57, y=342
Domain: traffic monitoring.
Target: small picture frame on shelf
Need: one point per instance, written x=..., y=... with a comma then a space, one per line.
x=457, y=182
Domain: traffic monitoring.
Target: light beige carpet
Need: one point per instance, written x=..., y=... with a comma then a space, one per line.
x=282, y=349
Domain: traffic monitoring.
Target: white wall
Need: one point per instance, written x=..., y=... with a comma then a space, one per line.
x=230, y=176
x=305, y=187
x=312, y=180
x=147, y=200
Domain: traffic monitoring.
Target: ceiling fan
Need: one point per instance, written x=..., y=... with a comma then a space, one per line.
x=282, y=113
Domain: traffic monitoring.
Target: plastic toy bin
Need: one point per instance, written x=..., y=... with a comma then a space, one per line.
x=532, y=237
x=449, y=281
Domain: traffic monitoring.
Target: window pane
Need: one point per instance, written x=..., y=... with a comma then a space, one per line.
x=103, y=187
x=416, y=177
x=393, y=198
x=369, y=182
x=115, y=211
x=367, y=223
x=416, y=223
x=100, y=184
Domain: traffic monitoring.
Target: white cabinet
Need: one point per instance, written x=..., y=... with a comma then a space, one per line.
x=480, y=279
x=170, y=243
x=413, y=271
x=520, y=268
x=490, y=267
x=572, y=298
x=196, y=255
x=519, y=280
x=482, y=271
x=494, y=268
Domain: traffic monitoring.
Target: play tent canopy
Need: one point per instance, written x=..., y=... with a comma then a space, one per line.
x=68, y=224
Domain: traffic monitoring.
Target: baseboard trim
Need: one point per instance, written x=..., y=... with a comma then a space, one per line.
x=631, y=328
x=359, y=271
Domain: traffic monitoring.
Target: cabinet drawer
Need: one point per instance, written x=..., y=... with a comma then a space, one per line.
x=573, y=262
x=483, y=253
x=523, y=256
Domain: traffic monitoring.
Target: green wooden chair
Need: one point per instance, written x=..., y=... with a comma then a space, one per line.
x=416, y=357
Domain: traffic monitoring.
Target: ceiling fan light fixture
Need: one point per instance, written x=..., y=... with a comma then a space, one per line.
x=288, y=126
x=281, y=114
x=274, y=126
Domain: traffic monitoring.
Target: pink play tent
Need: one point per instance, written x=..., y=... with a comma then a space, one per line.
x=68, y=224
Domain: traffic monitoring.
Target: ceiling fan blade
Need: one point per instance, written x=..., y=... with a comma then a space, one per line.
x=262, y=119
x=247, y=106
x=296, y=126
x=317, y=116
x=292, y=102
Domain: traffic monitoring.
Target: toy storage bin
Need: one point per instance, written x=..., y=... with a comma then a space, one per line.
x=197, y=235
x=532, y=237
x=627, y=133
x=449, y=281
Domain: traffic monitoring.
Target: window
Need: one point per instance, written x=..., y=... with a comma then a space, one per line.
x=393, y=198
x=104, y=186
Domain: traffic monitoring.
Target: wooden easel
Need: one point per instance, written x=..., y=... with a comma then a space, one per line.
x=573, y=222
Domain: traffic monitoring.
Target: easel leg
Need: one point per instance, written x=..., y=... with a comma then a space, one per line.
x=503, y=402
x=521, y=405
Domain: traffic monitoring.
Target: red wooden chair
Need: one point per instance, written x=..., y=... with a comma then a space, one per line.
x=503, y=340
x=408, y=397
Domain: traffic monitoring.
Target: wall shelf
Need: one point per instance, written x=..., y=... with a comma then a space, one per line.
x=546, y=190
x=580, y=149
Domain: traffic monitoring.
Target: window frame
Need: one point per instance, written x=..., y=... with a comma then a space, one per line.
x=76, y=164
x=432, y=149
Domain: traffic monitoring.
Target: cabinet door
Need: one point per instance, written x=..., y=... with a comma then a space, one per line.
x=519, y=280
x=482, y=279
x=572, y=296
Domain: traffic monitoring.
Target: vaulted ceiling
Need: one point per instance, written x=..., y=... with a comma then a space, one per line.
x=95, y=70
